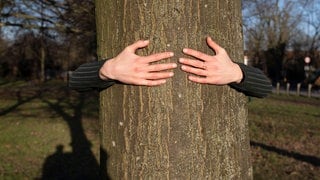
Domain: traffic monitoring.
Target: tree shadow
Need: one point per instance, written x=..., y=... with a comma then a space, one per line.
x=315, y=161
x=20, y=101
x=81, y=162
x=4, y=83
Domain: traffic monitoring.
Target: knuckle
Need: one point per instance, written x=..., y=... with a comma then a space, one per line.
x=198, y=71
x=203, y=80
x=155, y=76
x=128, y=48
x=155, y=56
x=155, y=68
x=150, y=83
x=147, y=83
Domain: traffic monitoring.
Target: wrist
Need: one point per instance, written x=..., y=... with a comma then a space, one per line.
x=105, y=72
x=238, y=73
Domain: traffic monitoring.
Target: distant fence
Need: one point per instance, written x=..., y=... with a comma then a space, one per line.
x=309, y=91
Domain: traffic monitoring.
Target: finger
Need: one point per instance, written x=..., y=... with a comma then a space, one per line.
x=213, y=45
x=159, y=75
x=192, y=70
x=196, y=54
x=152, y=82
x=191, y=62
x=161, y=67
x=158, y=57
x=139, y=44
x=197, y=79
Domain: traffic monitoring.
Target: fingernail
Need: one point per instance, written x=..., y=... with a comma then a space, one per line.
x=171, y=54
x=174, y=65
x=171, y=74
x=184, y=50
x=181, y=59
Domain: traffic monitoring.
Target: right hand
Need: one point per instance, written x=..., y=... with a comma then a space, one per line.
x=129, y=68
x=218, y=69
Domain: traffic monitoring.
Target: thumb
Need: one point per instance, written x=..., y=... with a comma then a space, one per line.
x=213, y=45
x=139, y=44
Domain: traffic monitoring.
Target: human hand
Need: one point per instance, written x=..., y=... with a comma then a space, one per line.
x=129, y=68
x=217, y=69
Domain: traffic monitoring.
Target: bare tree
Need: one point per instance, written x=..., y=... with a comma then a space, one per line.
x=310, y=31
x=269, y=27
x=69, y=22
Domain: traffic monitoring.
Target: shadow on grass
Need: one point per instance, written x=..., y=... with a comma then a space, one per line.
x=81, y=162
x=20, y=101
x=315, y=161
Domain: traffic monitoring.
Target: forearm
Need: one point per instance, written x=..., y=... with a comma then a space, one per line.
x=86, y=78
x=254, y=82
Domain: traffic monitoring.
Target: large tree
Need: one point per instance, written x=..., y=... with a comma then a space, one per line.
x=180, y=129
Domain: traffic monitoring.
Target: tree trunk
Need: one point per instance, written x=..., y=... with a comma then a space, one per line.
x=42, y=62
x=180, y=130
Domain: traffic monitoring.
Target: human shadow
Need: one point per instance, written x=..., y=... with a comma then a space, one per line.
x=80, y=163
x=103, y=164
x=315, y=161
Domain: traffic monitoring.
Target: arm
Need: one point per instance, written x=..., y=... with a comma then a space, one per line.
x=219, y=69
x=254, y=82
x=127, y=67
x=86, y=77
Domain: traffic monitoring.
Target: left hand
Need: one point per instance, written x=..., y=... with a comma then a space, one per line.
x=129, y=68
x=206, y=69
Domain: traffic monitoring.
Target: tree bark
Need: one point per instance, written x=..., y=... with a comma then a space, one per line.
x=180, y=130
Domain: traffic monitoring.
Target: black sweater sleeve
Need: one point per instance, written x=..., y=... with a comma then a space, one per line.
x=255, y=83
x=86, y=77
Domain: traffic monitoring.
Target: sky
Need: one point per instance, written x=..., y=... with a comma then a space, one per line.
x=10, y=33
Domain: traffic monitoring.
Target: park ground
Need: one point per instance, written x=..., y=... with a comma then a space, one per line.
x=48, y=130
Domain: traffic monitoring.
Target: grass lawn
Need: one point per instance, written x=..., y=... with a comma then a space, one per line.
x=285, y=137
x=47, y=130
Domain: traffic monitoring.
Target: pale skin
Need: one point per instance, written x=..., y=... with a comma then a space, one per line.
x=129, y=68
x=215, y=69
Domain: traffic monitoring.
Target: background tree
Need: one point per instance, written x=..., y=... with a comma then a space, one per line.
x=181, y=129
x=269, y=27
x=274, y=28
x=311, y=34
x=70, y=23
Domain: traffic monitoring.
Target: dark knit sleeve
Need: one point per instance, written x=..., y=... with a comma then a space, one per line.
x=255, y=83
x=86, y=78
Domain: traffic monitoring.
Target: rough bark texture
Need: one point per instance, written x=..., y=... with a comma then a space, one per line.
x=180, y=130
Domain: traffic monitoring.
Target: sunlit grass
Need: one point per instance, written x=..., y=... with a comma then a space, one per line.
x=31, y=128
x=284, y=130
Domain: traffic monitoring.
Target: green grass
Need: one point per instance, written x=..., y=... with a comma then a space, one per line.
x=43, y=124
x=285, y=137
x=34, y=121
